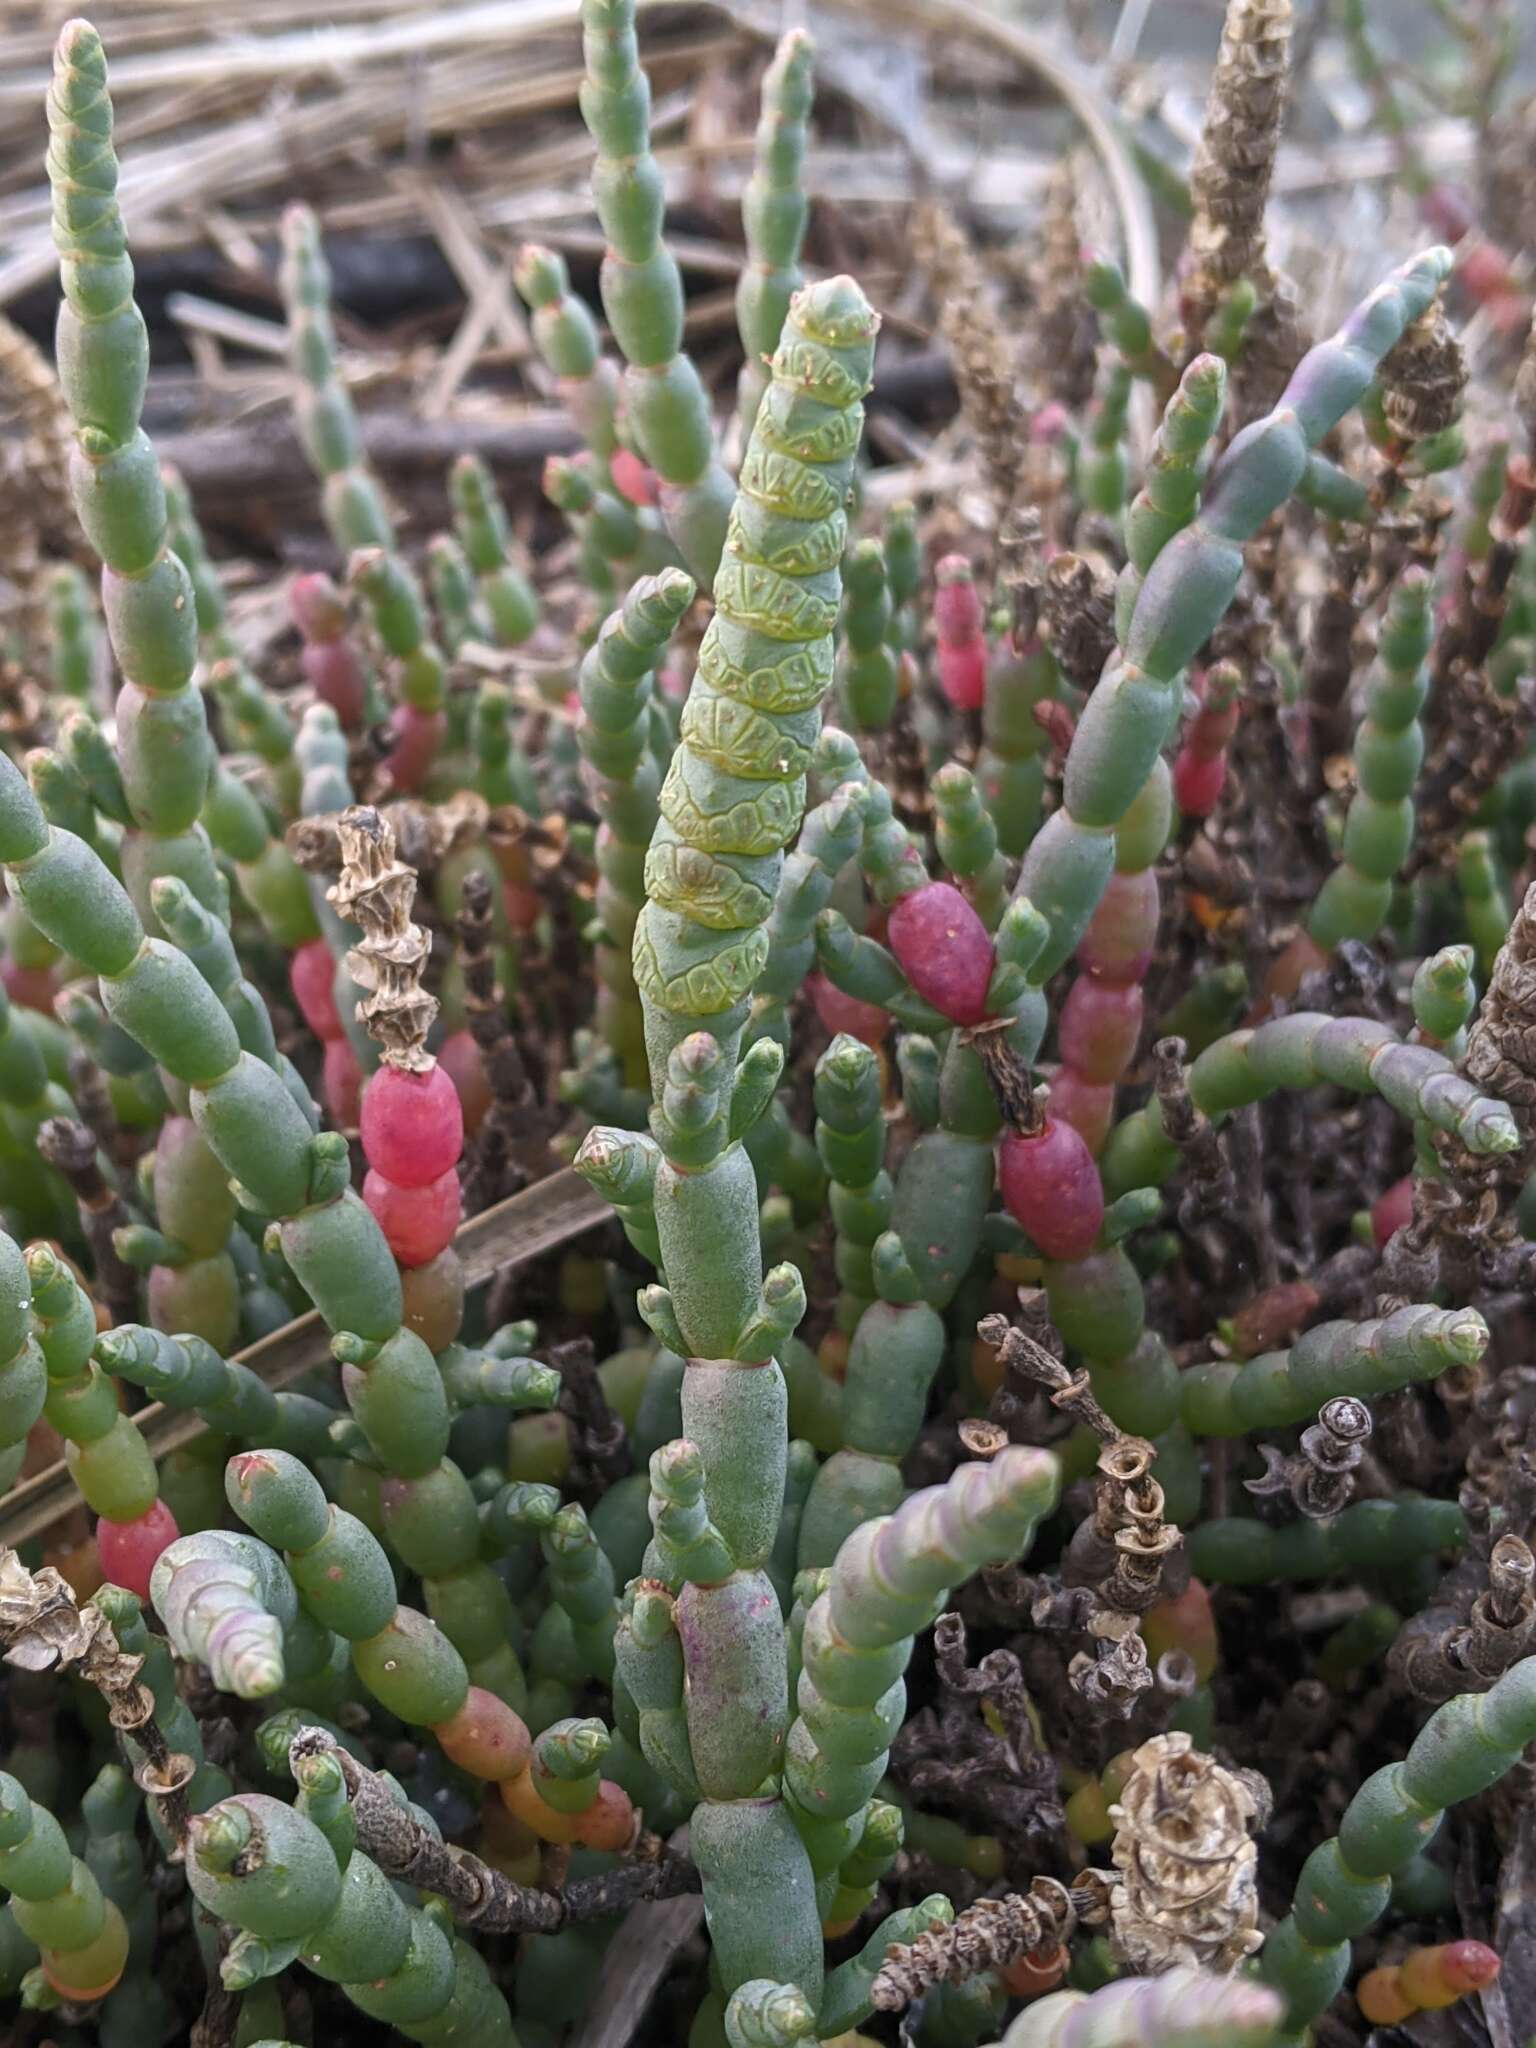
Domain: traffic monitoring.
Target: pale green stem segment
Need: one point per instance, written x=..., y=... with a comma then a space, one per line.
x=350, y=498
x=1186, y=591
x=164, y=752
x=773, y=217
x=733, y=799
x=666, y=407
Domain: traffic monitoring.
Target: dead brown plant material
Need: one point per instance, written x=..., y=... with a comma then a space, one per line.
x=979, y=346
x=376, y=891
x=1188, y=1893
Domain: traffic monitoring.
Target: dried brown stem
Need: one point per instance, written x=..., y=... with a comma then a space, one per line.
x=1423, y=377
x=979, y=347
x=512, y=1133
x=1229, y=185
x=477, y=1895
x=987, y=1936
x=43, y=1625
x=1320, y=1475
x=1189, y=1128
x=70, y=1149
x=1123, y=1549
x=1077, y=623
x=376, y=891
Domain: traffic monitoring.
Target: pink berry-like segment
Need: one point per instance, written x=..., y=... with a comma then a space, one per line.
x=412, y=1125
x=128, y=1551
x=1117, y=945
x=312, y=977
x=464, y=1064
x=317, y=607
x=417, y=737
x=963, y=674
x=633, y=479
x=1197, y=782
x=1088, y=1106
x=1389, y=1212
x=331, y=668
x=961, y=648
x=944, y=950
x=341, y=1081
x=838, y=1012
x=1051, y=1188
x=1100, y=1026
x=417, y=1222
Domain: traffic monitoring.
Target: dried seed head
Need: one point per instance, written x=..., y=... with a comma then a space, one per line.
x=376, y=890
x=1423, y=377
x=1183, y=1847
x=979, y=347
x=1229, y=181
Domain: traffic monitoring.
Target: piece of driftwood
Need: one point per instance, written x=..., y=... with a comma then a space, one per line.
x=531, y=1222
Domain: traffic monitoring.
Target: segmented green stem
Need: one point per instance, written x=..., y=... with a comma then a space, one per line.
x=349, y=496
x=269, y=1870
x=1389, y=746
x=1103, y=459
x=666, y=407
x=56, y=1901
x=72, y=635
x=1300, y=1051
x=185, y=1373
x=108, y=1459
x=1126, y=325
x=1346, y=1885
x=1378, y=1357
x=395, y=600
x=1176, y=470
x=164, y=751
x=1372, y=1535
x=850, y=1137
x=480, y=520
x=868, y=673
x=733, y=798
x=565, y=335
x=615, y=684
x=890, y=1579
x=23, y=1374
x=773, y=216
x=966, y=835
x=1186, y=592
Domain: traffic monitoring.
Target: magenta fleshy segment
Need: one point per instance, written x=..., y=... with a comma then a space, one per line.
x=412, y=1125
x=317, y=607
x=961, y=649
x=127, y=1551
x=1391, y=1210
x=336, y=677
x=1100, y=1027
x=838, y=1012
x=1117, y=945
x=312, y=977
x=418, y=735
x=633, y=479
x=944, y=951
x=1088, y=1106
x=1197, y=782
x=342, y=1084
x=417, y=1222
x=1051, y=1188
